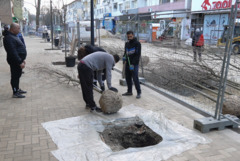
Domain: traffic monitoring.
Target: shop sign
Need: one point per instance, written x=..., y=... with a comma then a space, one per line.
x=198, y=5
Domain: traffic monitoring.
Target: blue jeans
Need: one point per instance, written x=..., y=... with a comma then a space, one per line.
x=132, y=75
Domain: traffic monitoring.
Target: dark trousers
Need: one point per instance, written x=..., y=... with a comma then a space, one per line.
x=86, y=79
x=132, y=75
x=16, y=72
x=197, y=50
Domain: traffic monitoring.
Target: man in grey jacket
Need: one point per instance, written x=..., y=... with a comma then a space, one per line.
x=97, y=61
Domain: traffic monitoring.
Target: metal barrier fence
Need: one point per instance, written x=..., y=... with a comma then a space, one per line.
x=168, y=64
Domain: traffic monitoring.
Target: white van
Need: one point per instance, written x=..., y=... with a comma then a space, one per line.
x=85, y=32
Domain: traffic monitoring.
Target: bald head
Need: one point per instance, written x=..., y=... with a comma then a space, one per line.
x=14, y=28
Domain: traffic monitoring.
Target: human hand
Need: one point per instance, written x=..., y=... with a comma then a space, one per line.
x=131, y=67
x=22, y=65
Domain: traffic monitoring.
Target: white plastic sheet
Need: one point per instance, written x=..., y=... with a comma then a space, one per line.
x=78, y=139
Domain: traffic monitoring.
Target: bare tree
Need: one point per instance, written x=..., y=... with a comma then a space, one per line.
x=38, y=6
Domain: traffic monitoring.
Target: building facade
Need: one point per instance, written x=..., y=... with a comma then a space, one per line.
x=6, y=11
x=145, y=12
x=211, y=16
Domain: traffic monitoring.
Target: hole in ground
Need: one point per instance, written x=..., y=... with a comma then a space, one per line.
x=129, y=132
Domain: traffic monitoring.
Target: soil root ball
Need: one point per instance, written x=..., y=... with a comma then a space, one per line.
x=110, y=102
x=231, y=105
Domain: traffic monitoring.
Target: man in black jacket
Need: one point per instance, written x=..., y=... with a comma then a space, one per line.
x=131, y=57
x=16, y=55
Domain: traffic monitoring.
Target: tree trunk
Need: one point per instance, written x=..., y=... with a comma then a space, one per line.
x=38, y=13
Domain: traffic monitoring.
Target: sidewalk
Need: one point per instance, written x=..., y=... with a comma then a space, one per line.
x=22, y=137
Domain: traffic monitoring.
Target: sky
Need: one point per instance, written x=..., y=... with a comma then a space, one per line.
x=29, y=4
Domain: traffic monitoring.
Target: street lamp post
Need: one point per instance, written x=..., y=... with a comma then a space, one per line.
x=65, y=33
x=92, y=23
x=51, y=23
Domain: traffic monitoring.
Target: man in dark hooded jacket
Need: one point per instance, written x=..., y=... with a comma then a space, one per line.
x=131, y=57
x=197, y=43
x=16, y=55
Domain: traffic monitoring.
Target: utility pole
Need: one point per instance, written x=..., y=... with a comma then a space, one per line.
x=51, y=23
x=65, y=32
x=92, y=23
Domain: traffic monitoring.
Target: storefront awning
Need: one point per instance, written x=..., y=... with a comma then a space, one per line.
x=170, y=14
x=213, y=11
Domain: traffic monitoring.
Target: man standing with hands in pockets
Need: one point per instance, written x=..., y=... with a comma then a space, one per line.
x=16, y=55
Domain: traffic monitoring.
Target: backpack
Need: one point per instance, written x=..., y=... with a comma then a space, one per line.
x=200, y=41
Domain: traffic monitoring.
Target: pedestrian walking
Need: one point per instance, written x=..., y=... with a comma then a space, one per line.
x=96, y=61
x=16, y=55
x=131, y=59
x=198, y=44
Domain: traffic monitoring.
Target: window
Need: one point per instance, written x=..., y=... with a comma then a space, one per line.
x=115, y=7
x=134, y=4
x=165, y=1
x=120, y=7
x=127, y=5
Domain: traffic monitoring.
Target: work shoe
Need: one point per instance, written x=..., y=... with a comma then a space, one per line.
x=97, y=109
x=138, y=95
x=95, y=83
x=17, y=95
x=127, y=94
x=21, y=91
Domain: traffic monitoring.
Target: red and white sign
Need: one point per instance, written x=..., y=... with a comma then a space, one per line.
x=204, y=5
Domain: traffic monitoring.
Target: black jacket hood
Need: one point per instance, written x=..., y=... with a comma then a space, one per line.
x=5, y=32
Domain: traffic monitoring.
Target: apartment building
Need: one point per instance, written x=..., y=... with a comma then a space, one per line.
x=145, y=12
x=162, y=12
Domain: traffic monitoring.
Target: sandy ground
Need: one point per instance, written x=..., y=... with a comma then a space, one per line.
x=167, y=51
